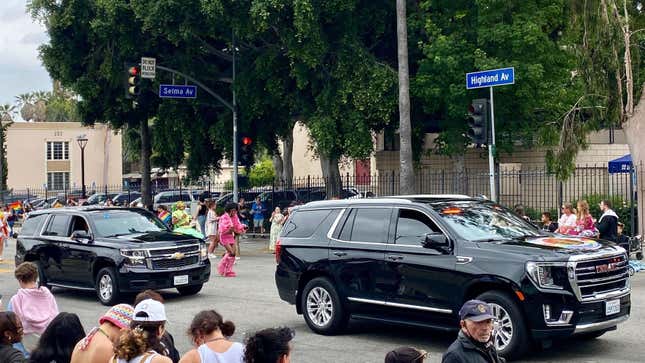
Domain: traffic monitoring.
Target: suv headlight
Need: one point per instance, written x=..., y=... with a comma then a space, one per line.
x=134, y=257
x=203, y=251
x=547, y=275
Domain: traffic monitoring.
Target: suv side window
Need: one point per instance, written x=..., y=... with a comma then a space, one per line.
x=32, y=225
x=367, y=225
x=303, y=224
x=412, y=227
x=58, y=226
x=79, y=224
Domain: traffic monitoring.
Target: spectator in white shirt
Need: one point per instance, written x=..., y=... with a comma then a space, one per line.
x=567, y=220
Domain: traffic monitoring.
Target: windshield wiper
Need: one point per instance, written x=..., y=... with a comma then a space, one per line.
x=494, y=239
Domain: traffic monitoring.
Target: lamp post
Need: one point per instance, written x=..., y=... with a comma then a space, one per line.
x=82, y=142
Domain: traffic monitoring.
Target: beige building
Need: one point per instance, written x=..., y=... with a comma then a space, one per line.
x=47, y=154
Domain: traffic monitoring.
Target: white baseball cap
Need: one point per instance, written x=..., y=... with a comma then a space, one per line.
x=149, y=310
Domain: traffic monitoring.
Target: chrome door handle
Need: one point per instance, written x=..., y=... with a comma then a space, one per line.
x=394, y=257
x=339, y=254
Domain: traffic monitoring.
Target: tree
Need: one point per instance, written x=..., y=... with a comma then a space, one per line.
x=7, y=113
x=457, y=36
x=405, y=126
x=608, y=41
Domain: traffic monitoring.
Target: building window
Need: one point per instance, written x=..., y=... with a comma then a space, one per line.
x=58, y=180
x=57, y=150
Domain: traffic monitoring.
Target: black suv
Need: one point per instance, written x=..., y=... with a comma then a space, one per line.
x=416, y=260
x=112, y=251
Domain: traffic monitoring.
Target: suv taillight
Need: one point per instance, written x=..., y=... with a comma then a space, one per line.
x=278, y=250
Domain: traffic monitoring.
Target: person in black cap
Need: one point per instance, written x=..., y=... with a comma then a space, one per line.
x=406, y=355
x=475, y=341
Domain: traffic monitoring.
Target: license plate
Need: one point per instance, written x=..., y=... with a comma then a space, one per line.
x=612, y=307
x=181, y=280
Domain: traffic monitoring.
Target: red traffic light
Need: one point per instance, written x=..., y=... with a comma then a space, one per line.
x=247, y=140
x=133, y=71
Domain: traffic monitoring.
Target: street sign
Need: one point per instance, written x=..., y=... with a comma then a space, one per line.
x=490, y=78
x=148, y=67
x=177, y=91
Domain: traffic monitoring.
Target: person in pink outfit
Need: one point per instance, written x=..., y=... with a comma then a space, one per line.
x=229, y=225
x=35, y=306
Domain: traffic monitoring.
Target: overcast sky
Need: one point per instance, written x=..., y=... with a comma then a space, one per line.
x=21, y=71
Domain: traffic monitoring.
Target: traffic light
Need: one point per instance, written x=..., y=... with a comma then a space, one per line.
x=133, y=78
x=478, y=121
x=246, y=151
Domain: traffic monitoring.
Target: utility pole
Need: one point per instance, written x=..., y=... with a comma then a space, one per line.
x=405, y=126
x=235, y=169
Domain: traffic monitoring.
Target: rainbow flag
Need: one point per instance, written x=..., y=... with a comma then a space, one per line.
x=17, y=206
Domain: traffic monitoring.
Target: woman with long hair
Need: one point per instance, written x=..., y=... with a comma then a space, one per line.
x=584, y=221
x=229, y=225
x=567, y=220
x=10, y=333
x=59, y=339
x=210, y=335
x=276, y=226
x=142, y=342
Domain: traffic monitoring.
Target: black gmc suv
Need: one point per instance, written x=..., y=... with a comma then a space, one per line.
x=417, y=259
x=112, y=251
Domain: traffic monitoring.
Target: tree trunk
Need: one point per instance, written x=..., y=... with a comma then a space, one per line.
x=3, y=177
x=461, y=183
x=405, y=127
x=287, y=160
x=634, y=128
x=146, y=196
x=277, y=164
x=331, y=173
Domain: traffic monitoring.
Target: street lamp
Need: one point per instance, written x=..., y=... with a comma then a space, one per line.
x=82, y=142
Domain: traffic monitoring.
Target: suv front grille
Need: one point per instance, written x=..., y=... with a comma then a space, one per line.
x=599, y=276
x=173, y=257
x=166, y=264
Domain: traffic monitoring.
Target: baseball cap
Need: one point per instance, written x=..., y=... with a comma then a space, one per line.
x=405, y=355
x=476, y=310
x=119, y=315
x=149, y=310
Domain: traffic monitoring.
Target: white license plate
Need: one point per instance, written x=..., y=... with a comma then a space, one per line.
x=181, y=280
x=612, y=307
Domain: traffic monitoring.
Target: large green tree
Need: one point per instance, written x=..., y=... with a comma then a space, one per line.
x=459, y=36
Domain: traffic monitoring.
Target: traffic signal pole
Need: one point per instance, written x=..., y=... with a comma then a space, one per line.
x=235, y=152
x=491, y=149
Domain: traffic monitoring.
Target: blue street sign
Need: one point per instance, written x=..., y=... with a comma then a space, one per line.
x=177, y=91
x=490, y=78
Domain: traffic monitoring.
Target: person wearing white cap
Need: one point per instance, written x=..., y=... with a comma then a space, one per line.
x=141, y=343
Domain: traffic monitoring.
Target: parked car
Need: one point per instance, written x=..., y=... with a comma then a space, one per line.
x=170, y=197
x=111, y=251
x=249, y=197
x=100, y=198
x=281, y=198
x=416, y=260
x=125, y=198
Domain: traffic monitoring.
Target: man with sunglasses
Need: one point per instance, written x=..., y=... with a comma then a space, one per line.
x=475, y=341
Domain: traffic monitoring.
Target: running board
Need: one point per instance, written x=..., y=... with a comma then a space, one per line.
x=70, y=286
x=405, y=322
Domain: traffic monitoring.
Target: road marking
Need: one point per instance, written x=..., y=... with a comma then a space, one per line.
x=4, y=270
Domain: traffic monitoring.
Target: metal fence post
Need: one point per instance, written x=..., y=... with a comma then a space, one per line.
x=631, y=201
x=392, y=191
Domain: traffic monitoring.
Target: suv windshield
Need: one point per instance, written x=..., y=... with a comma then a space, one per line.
x=483, y=221
x=114, y=223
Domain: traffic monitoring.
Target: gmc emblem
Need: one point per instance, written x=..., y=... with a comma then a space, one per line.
x=606, y=268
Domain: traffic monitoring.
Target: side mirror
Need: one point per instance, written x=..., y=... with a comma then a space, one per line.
x=81, y=236
x=436, y=241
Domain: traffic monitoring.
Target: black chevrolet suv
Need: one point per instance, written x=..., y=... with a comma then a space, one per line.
x=415, y=260
x=111, y=251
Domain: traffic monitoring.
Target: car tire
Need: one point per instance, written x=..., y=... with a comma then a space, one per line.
x=42, y=279
x=107, y=288
x=322, y=308
x=190, y=290
x=512, y=338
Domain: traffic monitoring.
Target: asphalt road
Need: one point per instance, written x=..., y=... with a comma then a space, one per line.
x=251, y=301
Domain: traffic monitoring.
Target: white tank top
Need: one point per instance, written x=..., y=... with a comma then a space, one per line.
x=137, y=359
x=234, y=354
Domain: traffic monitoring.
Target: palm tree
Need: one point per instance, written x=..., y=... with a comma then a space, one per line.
x=405, y=127
x=7, y=112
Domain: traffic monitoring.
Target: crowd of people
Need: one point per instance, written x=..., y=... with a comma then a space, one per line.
x=33, y=330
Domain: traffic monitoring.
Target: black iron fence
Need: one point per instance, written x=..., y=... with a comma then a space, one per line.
x=535, y=189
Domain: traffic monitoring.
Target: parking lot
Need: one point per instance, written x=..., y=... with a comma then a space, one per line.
x=251, y=302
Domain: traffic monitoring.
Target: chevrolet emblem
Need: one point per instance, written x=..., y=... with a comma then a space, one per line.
x=177, y=256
